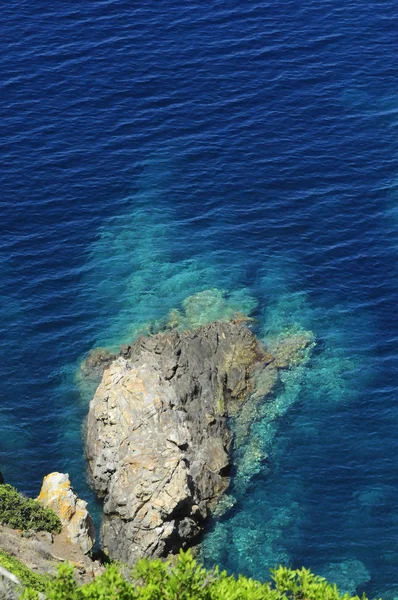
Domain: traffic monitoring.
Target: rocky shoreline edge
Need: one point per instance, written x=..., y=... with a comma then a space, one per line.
x=159, y=441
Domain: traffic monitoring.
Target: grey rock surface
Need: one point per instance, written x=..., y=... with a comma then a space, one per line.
x=157, y=434
x=43, y=552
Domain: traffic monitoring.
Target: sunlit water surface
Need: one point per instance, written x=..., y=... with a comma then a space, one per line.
x=150, y=153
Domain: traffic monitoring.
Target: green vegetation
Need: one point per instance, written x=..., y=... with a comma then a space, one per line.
x=185, y=579
x=18, y=512
x=26, y=576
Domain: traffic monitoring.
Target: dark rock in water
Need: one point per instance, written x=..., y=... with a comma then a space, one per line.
x=125, y=350
x=97, y=361
x=91, y=370
x=1, y=478
x=157, y=437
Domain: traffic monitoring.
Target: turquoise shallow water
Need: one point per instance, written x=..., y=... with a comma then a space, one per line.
x=150, y=153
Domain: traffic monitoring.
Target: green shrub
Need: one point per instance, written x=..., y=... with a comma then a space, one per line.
x=185, y=579
x=18, y=512
x=26, y=576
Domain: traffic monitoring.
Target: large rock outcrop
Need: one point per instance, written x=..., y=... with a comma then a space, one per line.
x=157, y=435
x=158, y=439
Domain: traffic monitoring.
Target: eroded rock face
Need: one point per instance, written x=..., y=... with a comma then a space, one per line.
x=57, y=494
x=157, y=436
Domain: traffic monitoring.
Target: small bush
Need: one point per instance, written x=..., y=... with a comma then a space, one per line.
x=187, y=580
x=18, y=512
x=26, y=576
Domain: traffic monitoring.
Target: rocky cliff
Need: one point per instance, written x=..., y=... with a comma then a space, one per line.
x=157, y=435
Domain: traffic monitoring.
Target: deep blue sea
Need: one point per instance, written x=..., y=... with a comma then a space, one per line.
x=150, y=151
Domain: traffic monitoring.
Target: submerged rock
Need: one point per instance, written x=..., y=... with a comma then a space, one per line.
x=348, y=575
x=57, y=494
x=290, y=348
x=211, y=305
x=157, y=437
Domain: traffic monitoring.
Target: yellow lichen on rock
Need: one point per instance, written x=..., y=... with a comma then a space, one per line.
x=56, y=493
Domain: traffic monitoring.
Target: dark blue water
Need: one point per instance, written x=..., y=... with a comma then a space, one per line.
x=152, y=152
